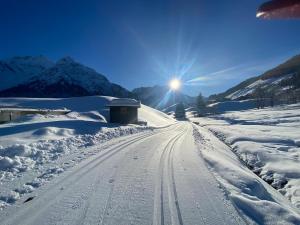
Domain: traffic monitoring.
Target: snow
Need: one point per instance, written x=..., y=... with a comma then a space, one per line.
x=267, y=141
x=259, y=83
x=221, y=107
x=33, y=143
x=57, y=168
x=125, y=102
x=143, y=179
x=41, y=61
x=154, y=117
x=17, y=70
x=19, y=109
x=258, y=202
x=74, y=73
x=38, y=74
x=179, y=174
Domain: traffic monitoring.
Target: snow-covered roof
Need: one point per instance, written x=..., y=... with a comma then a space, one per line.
x=18, y=109
x=125, y=102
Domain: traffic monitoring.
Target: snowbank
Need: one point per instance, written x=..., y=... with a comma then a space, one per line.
x=267, y=141
x=257, y=202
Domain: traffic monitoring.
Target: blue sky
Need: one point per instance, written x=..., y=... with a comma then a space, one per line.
x=211, y=45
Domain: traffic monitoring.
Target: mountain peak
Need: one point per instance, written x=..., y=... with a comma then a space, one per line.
x=66, y=60
x=66, y=78
x=30, y=60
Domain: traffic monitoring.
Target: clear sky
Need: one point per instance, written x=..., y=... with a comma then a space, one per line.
x=212, y=45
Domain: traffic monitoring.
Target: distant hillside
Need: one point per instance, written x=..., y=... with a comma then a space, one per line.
x=65, y=78
x=289, y=67
x=160, y=97
x=280, y=81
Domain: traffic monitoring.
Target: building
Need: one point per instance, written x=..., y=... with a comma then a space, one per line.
x=123, y=110
x=8, y=114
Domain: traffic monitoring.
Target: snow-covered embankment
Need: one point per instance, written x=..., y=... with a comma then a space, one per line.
x=31, y=147
x=267, y=141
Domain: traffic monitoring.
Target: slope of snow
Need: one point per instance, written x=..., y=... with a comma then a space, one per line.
x=70, y=71
x=221, y=107
x=32, y=144
x=247, y=90
x=259, y=83
x=267, y=141
x=17, y=70
x=258, y=202
x=154, y=117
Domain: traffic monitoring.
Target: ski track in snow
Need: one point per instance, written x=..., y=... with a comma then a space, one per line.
x=148, y=178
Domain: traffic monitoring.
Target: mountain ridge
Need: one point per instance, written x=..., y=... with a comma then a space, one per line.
x=16, y=70
x=65, y=78
x=279, y=81
x=161, y=97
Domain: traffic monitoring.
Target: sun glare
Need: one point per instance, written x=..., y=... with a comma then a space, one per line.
x=175, y=84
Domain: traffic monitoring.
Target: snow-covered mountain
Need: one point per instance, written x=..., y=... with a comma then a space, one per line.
x=17, y=70
x=161, y=98
x=281, y=81
x=65, y=78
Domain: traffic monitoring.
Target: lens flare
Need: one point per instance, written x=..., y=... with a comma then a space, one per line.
x=175, y=84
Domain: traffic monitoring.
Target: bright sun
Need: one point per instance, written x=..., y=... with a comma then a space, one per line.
x=175, y=84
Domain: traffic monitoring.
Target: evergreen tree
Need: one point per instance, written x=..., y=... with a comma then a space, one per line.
x=201, y=105
x=180, y=111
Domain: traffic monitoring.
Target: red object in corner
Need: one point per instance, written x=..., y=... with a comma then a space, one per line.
x=279, y=9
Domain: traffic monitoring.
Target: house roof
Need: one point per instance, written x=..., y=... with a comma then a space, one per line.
x=125, y=102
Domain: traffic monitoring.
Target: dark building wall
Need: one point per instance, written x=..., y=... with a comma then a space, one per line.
x=123, y=114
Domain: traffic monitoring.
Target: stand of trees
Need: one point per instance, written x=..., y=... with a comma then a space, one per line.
x=260, y=97
x=287, y=92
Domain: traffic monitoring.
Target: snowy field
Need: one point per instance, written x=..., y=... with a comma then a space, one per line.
x=267, y=141
x=175, y=172
x=36, y=148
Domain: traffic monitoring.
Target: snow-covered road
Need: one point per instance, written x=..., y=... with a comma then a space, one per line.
x=151, y=178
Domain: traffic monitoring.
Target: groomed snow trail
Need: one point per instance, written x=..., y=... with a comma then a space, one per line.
x=151, y=178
